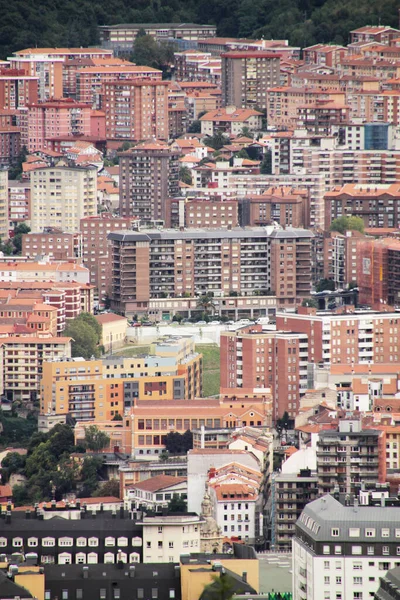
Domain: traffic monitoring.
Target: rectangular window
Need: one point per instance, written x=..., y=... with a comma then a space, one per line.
x=338, y=549
x=79, y=594
x=326, y=550
x=356, y=549
x=140, y=593
x=385, y=532
x=154, y=592
x=334, y=532
x=327, y=580
x=64, y=595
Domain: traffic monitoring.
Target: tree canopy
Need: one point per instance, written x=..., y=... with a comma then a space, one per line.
x=46, y=23
x=95, y=439
x=179, y=443
x=85, y=332
x=347, y=223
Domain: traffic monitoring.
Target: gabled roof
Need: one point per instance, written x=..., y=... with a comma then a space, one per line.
x=157, y=483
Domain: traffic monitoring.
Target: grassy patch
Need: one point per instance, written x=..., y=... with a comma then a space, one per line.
x=210, y=354
x=133, y=351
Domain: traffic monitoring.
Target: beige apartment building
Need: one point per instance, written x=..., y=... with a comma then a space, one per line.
x=4, y=205
x=62, y=196
x=246, y=76
x=149, y=174
x=150, y=264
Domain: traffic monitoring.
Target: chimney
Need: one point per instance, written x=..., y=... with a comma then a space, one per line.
x=121, y=512
x=101, y=507
x=93, y=513
x=132, y=571
x=383, y=500
x=114, y=514
x=27, y=514
x=244, y=576
x=85, y=572
x=8, y=517
x=355, y=507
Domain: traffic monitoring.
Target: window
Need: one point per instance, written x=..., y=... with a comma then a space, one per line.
x=354, y=532
x=117, y=593
x=338, y=580
x=81, y=542
x=384, y=566
x=326, y=564
x=3, y=542
x=154, y=592
x=325, y=550
x=122, y=541
x=32, y=542
x=370, y=550
x=356, y=550
x=140, y=593
x=385, y=532
x=370, y=532
x=65, y=542
x=109, y=541
x=17, y=542
x=357, y=595
x=64, y=595
x=327, y=580
x=357, y=566
x=47, y=595
x=170, y=544
x=79, y=594
x=338, y=549
x=385, y=550
x=334, y=532
x=103, y=594
x=160, y=529
x=171, y=593
x=160, y=544
x=93, y=542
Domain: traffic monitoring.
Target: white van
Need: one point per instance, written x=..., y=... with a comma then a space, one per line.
x=262, y=321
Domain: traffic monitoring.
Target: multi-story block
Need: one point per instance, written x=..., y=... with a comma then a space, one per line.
x=4, y=223
x=341, y=257
x=230, y=120
x=148, y=264
x=120, y=38
x=22, y=360
x=62, y=196
x=90, y=80
x=19, y=201
x=287, y=206
x=56, y=119
x=291, y=493
x=350, y=456
x=379, y=34
x=46, y=65
x=250, y=358
x=149, y=174
x=136, y=109
x=155, y=492
x=17, y=90
x=340, y=550
x=376, y=204
x=352, y=337
x=246, y=76
x=196, y=213
x=54, y=243
x=10, y=145
x=96, y=248
x=113, y=386
x=166, y=538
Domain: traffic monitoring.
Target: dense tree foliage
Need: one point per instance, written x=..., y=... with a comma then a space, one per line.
x=48, y=23
x=85, y=332
x=347, y=223
x=177, y=443
x=95, y=439
x=177, y=504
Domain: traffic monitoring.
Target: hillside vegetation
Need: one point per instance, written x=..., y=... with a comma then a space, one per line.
x=25, y=23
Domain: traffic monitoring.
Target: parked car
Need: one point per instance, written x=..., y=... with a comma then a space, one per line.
x=214, y=322
x=201, y=323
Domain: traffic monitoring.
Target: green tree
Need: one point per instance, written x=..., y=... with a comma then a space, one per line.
x=266, y=163
x=85, y=332
x=177, y=443
x=90, y=475
x=12, y=463
x=185, y=175
x=177, y=504
x=242, y=154
x=310, y=302
x=325, y=285
x=246, y=132
x=221, y=588
x=95, y=439
x=109, y=488
x=347, y=223
x=217, y=140
x=15, y=171
x=195, y=126
x=21, y=495
x=19, y=231
x=206, y=303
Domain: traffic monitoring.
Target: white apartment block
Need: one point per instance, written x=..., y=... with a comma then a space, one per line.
x=165, y=538
x=62, y=196
x=340, y=552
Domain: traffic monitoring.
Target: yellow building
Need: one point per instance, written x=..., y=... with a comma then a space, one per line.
x=98, y=390
x=113, y=330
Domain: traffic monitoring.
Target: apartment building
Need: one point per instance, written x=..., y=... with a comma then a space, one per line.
x=120, y=37
x=246, y=76
x=252, y=359
x=4, y=203
x=22, y=360
x=379, y=34
x=91, y=79
x=19, y=201
x=149, y=174
x=230, y=121
x=113, y=386
x=155, y=492
x=283, y=103
x=34, y=316
x=194, y=213
x=376, y=204
x=166, y=538
x=17, y=89
x=54, y=243
x=291, y=493
x=56, y=119
x=341, y=258
x=350, y=456
x=235, y=493
x=96, y=249
x=188, y=65
x=136, y=109
x=286, y=205
x=62, y=196
x=148, y=264
x=46, y=64
x=356, y=336
x=341, y=550
x=10, y=145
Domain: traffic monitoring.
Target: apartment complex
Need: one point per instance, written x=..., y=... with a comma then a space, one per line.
x=350, y=456
x=4, y=204
x=136, y=109
x=352, y=337
x=62, y=196
x=19, y=201
x=149, y=174
x=291, y=493
x=149, y=263
x=341, y=550
x=96, y=248
x=101, y=389
x=120, y=37
x=201, y=212
x=246, y=75
x=17, y=89
x=253, y=359
x=53, y=243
